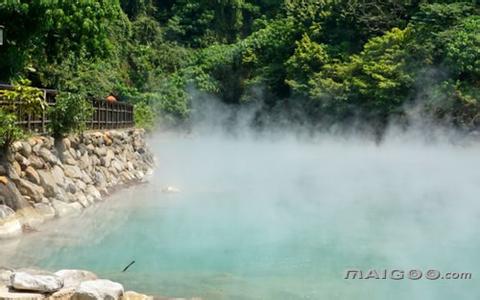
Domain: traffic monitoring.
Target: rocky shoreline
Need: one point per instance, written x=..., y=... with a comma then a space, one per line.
x=41, y=180
x=30, y=284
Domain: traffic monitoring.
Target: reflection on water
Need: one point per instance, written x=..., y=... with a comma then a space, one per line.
x=279, y=220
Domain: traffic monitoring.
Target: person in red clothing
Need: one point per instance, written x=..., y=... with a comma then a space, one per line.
x=111, y=99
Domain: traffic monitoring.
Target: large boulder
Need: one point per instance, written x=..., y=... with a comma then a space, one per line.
x=73, y=278
x=43, y=283
x=99, y=289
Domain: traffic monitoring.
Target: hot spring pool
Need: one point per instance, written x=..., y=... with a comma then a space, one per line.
x=279, y=220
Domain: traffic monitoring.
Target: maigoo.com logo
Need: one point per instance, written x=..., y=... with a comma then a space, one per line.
x=413, y=274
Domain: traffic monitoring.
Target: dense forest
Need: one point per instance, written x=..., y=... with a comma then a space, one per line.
x=310, y=61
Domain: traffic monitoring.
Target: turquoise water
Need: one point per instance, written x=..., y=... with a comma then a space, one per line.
x=280, y=220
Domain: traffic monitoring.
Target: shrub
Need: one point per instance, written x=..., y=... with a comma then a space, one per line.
x=144, y=116
x=69, y=114
x=23, y=99
x=9, y=131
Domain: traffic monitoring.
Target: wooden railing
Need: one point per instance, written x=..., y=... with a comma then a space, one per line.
x=107, y=115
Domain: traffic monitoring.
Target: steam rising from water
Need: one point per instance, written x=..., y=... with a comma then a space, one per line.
x=282, y=215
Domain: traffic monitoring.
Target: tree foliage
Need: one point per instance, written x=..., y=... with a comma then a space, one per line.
x=69, y=114
x=337, y=59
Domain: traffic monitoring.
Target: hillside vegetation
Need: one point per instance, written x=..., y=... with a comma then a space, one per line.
x=310, y=61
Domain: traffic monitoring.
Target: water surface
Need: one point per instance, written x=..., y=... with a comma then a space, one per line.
x=280, y=219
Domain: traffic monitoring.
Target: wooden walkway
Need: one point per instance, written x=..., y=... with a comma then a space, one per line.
x=107, y=115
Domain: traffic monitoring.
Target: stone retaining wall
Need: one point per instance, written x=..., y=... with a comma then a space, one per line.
x=41, y=179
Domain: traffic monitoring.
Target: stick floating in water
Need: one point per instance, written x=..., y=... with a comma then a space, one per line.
x=126, y=268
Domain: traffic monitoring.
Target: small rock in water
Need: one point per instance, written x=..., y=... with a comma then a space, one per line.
x=170, y=189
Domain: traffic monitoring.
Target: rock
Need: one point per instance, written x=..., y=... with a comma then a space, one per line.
x=117, y=165
x=135, y=296
x=22, y=160
x=73, y=278
x=65, y=293
x=98, y=289
x=36, y=162
x=24, y=281
x=36, y=148
x=91, y=148
x=73, y=153
x=10, y=226
x=71, y=188
x=58, y=174
x=108, y=141
x=63, y=209
x=82, y=199
x=16, y=168
x=45, y=210
x=26, y=149
x=30, y=189
x=49, y=182
x=16, y=146
x=73, y=172
x=63, y=195
x=10, y=195
x=85, y=162
x=48, y=156
x=125, y=176
x=81, y=185
x=29, y=217
x=34, y=141
x=92, y=191
x=66, y=143
x=3, y=170
x=99, y=180
x=68, y=159
x=10, y=295
x=5, y=275
x=48, y=141
x=32, y=175
x=102, y=151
